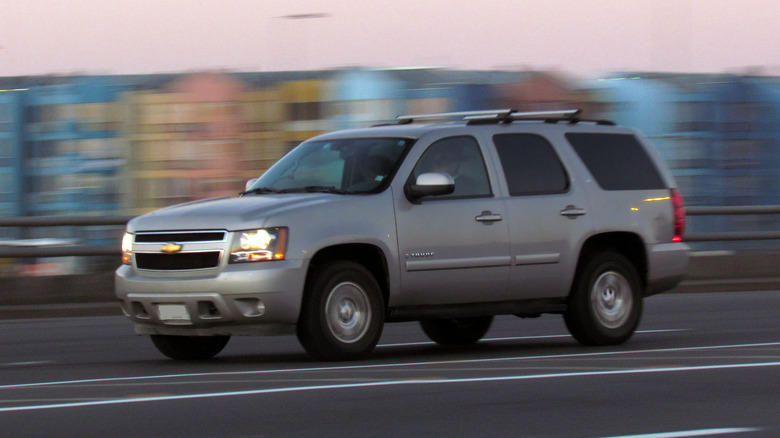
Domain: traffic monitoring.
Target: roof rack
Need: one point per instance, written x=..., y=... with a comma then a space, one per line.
x=497, y=115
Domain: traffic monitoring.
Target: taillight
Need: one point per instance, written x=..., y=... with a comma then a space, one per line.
x=679, y=215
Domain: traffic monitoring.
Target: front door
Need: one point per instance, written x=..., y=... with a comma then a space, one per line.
x=453, y=248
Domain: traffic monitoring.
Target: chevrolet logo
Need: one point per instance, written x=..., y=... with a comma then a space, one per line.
x=170, y=248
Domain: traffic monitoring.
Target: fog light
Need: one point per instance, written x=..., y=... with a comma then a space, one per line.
x=250, y=306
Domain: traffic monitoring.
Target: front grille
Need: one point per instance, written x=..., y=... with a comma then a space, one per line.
x=177, y=262
x=186, y=236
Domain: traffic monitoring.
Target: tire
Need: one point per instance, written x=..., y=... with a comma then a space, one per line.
x=606, y=303
x=190, y=347
x=342, y=314
x=460, y=331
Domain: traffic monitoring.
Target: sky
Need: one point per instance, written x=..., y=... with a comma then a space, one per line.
x=576, y=37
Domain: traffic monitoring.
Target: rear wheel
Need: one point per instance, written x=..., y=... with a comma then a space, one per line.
x=459, y=331
x=606, y=303
x=342, y=314
x=190, y=347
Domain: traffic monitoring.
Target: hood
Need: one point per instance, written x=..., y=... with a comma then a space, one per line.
x=251, y=211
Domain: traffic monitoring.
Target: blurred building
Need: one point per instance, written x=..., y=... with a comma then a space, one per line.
x=536, y=91
x=98, y=145
x=264, y=142
x=11, y=137
x=306, y=114
x=363, y=97
x=769, y=89
x=716, y=132
x=185, y=141
x=71, y=157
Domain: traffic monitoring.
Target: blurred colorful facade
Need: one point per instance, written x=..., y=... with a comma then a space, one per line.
x=100, y=145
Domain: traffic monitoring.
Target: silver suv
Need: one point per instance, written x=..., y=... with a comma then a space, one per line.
x=447, y=222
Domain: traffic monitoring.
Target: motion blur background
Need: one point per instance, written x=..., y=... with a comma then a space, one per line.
x=119, y=108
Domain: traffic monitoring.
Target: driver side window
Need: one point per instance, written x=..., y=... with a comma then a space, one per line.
x=460, y=158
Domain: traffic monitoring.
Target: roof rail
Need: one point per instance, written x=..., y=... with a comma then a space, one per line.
x=497, y=115
x=559, y=114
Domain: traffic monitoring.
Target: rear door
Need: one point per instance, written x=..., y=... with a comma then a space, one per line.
x=548, y=216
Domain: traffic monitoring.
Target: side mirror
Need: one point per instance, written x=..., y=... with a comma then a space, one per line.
x=431, y=184
x=249, y=183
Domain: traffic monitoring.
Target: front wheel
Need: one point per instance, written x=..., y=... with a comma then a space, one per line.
x=606, y=302
x=190, y=347
x=342, y=314
x=459, y=331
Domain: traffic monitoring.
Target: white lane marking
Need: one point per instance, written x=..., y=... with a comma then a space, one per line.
x=517, y=338
x=689, y=433
x=388, y=365
x=23, y=364
x=514, y=338
x=385, y=383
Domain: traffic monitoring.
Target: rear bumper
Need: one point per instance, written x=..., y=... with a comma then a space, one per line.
x=667, y=266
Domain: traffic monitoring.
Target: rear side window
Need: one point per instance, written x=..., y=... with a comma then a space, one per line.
x=617, y=161
x=530, y=164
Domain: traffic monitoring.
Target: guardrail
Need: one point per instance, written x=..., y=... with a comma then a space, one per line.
x=103, y=250
x=732, y=235
x=61, y=221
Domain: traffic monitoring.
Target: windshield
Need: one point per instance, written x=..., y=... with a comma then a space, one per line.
x=356, y=165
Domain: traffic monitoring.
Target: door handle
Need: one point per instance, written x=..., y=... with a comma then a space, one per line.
x=487, y=216
x=572, y=211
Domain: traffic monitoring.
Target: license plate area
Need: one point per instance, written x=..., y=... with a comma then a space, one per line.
x=174, y=314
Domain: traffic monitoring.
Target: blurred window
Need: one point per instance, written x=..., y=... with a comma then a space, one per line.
x=305, y=111
x=6, y=183
x=6, y=152
x=688, y=153
x=742, y=153
x=6, y=117
x=741, y=116
x=693, y=116
x=695, y=189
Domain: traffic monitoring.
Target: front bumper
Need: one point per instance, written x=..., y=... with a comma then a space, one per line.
x=247, y=298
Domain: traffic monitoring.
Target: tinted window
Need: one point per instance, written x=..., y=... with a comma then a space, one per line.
x=530, y=165
x=460, y=158
x=617, y=161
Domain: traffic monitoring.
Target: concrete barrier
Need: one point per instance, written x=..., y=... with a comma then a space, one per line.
x=730, y=271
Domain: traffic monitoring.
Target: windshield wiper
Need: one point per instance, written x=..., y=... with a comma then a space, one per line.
x=260, y=190
x=315, y=189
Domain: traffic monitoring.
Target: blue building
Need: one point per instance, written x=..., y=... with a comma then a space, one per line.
x=72, y=156
x=717, y=134
x=769, y=90
x=11, y=137
x=362, y=97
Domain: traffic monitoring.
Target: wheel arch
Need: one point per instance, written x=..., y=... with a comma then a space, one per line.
x=369, y=256
x=630, y=245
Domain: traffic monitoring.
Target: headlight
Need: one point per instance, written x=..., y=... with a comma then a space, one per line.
x=259, y=245
x=127, y=249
